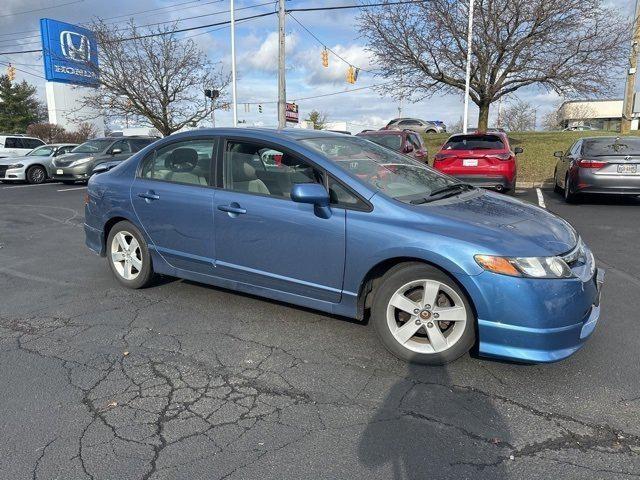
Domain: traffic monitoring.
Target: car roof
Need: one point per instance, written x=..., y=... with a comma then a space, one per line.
x=58, y=145
x=18, y=135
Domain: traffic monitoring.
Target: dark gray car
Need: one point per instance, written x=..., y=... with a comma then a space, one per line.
x=80, y=163
x=599, y=165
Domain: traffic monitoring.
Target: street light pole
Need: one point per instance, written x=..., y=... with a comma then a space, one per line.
x=282, y=86
x=233, y=66
x=468, y=75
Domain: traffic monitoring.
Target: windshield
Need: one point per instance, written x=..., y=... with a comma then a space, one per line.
x=600, y=147
x=474, y=142
x=394, y=174
x=390, y=141
x=43, y=151
x=93, y=146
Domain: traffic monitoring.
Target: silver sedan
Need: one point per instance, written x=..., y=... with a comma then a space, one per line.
x=35, y=166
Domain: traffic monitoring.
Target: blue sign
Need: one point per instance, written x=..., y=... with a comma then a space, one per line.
x=70, y=53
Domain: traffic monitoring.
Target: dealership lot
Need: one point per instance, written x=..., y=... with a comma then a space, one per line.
x=186, y=381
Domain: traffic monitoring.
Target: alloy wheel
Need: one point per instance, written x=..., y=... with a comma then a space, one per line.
x=126, y=255
x=36, y=175
x=426, y=316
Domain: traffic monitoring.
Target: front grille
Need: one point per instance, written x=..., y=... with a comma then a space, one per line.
x=3, y=169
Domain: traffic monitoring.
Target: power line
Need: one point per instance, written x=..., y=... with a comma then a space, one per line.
x=346, y=7
x=41, y=9
x=327, y=47
x=299, y=99
x=6, y=64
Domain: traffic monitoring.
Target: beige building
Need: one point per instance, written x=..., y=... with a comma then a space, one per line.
x=602, y=114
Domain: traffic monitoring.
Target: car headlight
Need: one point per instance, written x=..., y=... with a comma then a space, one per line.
x=82, y=161
x=15, y=165
x=532, y=267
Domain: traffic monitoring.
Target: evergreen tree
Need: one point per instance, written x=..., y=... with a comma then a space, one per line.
x=19, y=106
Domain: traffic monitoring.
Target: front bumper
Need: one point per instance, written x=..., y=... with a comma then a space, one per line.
x=12, y=174
x=79, y=173
x=535, y=320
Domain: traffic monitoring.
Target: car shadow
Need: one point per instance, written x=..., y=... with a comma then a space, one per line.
x=426, y=428
x=598, y=199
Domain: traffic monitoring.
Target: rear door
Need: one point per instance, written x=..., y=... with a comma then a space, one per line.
x=173, y=200
x=265, y=239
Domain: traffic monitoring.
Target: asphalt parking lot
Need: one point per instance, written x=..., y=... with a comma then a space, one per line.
x=186, y=381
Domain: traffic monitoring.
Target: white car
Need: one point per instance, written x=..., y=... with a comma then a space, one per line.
x=35, y=166
x=17, y=145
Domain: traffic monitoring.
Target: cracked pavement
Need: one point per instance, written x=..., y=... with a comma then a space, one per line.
x=186, y=381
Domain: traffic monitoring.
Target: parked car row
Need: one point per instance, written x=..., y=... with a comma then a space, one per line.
x=66, y=162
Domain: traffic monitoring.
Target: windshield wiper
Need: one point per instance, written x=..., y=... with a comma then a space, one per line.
x=451, y=188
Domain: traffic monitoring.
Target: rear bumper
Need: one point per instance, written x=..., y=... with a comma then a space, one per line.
x=500, y=182
x=590, y=182
x=94, y=239
x=537, y=330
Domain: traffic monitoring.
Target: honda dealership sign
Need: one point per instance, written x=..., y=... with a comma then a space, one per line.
x=70, y=53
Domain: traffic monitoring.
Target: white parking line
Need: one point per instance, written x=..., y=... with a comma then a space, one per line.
x=30, y=185
x=69, y=189
x=541, y=198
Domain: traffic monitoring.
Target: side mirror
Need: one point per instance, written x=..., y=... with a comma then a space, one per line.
x=103, y=167
x=518, y=150
x=116, y=151
x=407, y=149
x=314, y=194
x=558, y=154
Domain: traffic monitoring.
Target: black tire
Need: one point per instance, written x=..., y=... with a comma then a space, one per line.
x=393, y=280
x=145, y=275
x=556, y=187
x=36, y=175
x=569, y=196
x=68, y=182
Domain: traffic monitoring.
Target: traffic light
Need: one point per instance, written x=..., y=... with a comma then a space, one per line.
x=259, y=108
x=352, y=74
x=325, y=58
x=11, y=72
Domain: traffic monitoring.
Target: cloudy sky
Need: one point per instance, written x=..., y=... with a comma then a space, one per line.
x=256, y=49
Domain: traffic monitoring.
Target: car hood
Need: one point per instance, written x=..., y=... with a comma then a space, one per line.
x=10, y=160
x=502, y=225
x=65, y=160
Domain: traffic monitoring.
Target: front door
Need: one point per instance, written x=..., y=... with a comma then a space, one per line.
x=173, y=201
x=263, y=238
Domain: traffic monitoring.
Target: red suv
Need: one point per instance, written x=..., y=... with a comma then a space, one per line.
x=402, y=141
x=482, y=159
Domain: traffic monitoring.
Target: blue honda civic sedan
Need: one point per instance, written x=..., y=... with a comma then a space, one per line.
x=345, y=226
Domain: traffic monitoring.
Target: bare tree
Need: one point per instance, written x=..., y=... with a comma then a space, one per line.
x=572, y=47
x=519, y=116
x=154, y=76
x=51, y=133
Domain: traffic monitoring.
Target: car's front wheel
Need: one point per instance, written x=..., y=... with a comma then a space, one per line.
x=421, y=315
x=36, y=174
x=128, y=255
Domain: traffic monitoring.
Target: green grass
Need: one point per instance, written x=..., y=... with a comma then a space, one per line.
x=537, y=162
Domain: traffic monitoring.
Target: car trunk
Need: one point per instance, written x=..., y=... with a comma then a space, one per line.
x=612, y=164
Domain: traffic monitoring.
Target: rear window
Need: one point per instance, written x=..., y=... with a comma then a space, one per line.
x=600, y=147
x=390, y=141
x=474, y=142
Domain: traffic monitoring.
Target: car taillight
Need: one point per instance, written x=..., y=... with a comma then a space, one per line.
x=502, y=156
x=582, y=163
x=438, y=157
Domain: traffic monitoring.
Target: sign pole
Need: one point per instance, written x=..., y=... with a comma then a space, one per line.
x=468, y=75
x=233, y=67
x=282, y=87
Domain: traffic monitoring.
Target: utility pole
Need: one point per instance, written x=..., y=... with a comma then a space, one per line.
x=234, y=95
x=282, y=85
x=468, y=75
x=630, y=87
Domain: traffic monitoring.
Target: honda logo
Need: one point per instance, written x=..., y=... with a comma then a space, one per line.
x=75, y=46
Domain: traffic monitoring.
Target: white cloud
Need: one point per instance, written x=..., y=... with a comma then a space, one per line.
x=265, y=57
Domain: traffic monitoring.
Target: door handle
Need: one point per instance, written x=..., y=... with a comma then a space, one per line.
x=233, y=208
x=149, y=196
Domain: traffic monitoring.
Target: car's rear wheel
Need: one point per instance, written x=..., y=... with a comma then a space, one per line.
x=36, y=174
x=128, y=256
x=421, y=315
x=569, y=196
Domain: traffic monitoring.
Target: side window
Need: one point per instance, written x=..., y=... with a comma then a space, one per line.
x=254, y=168
x=575, y=150
x=123, y=145
x=188, y=162
x=405, y=122
x=414, y=141
x=13, y=142
x=343, y=196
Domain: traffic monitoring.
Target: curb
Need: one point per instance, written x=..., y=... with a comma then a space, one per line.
x=534, y=184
